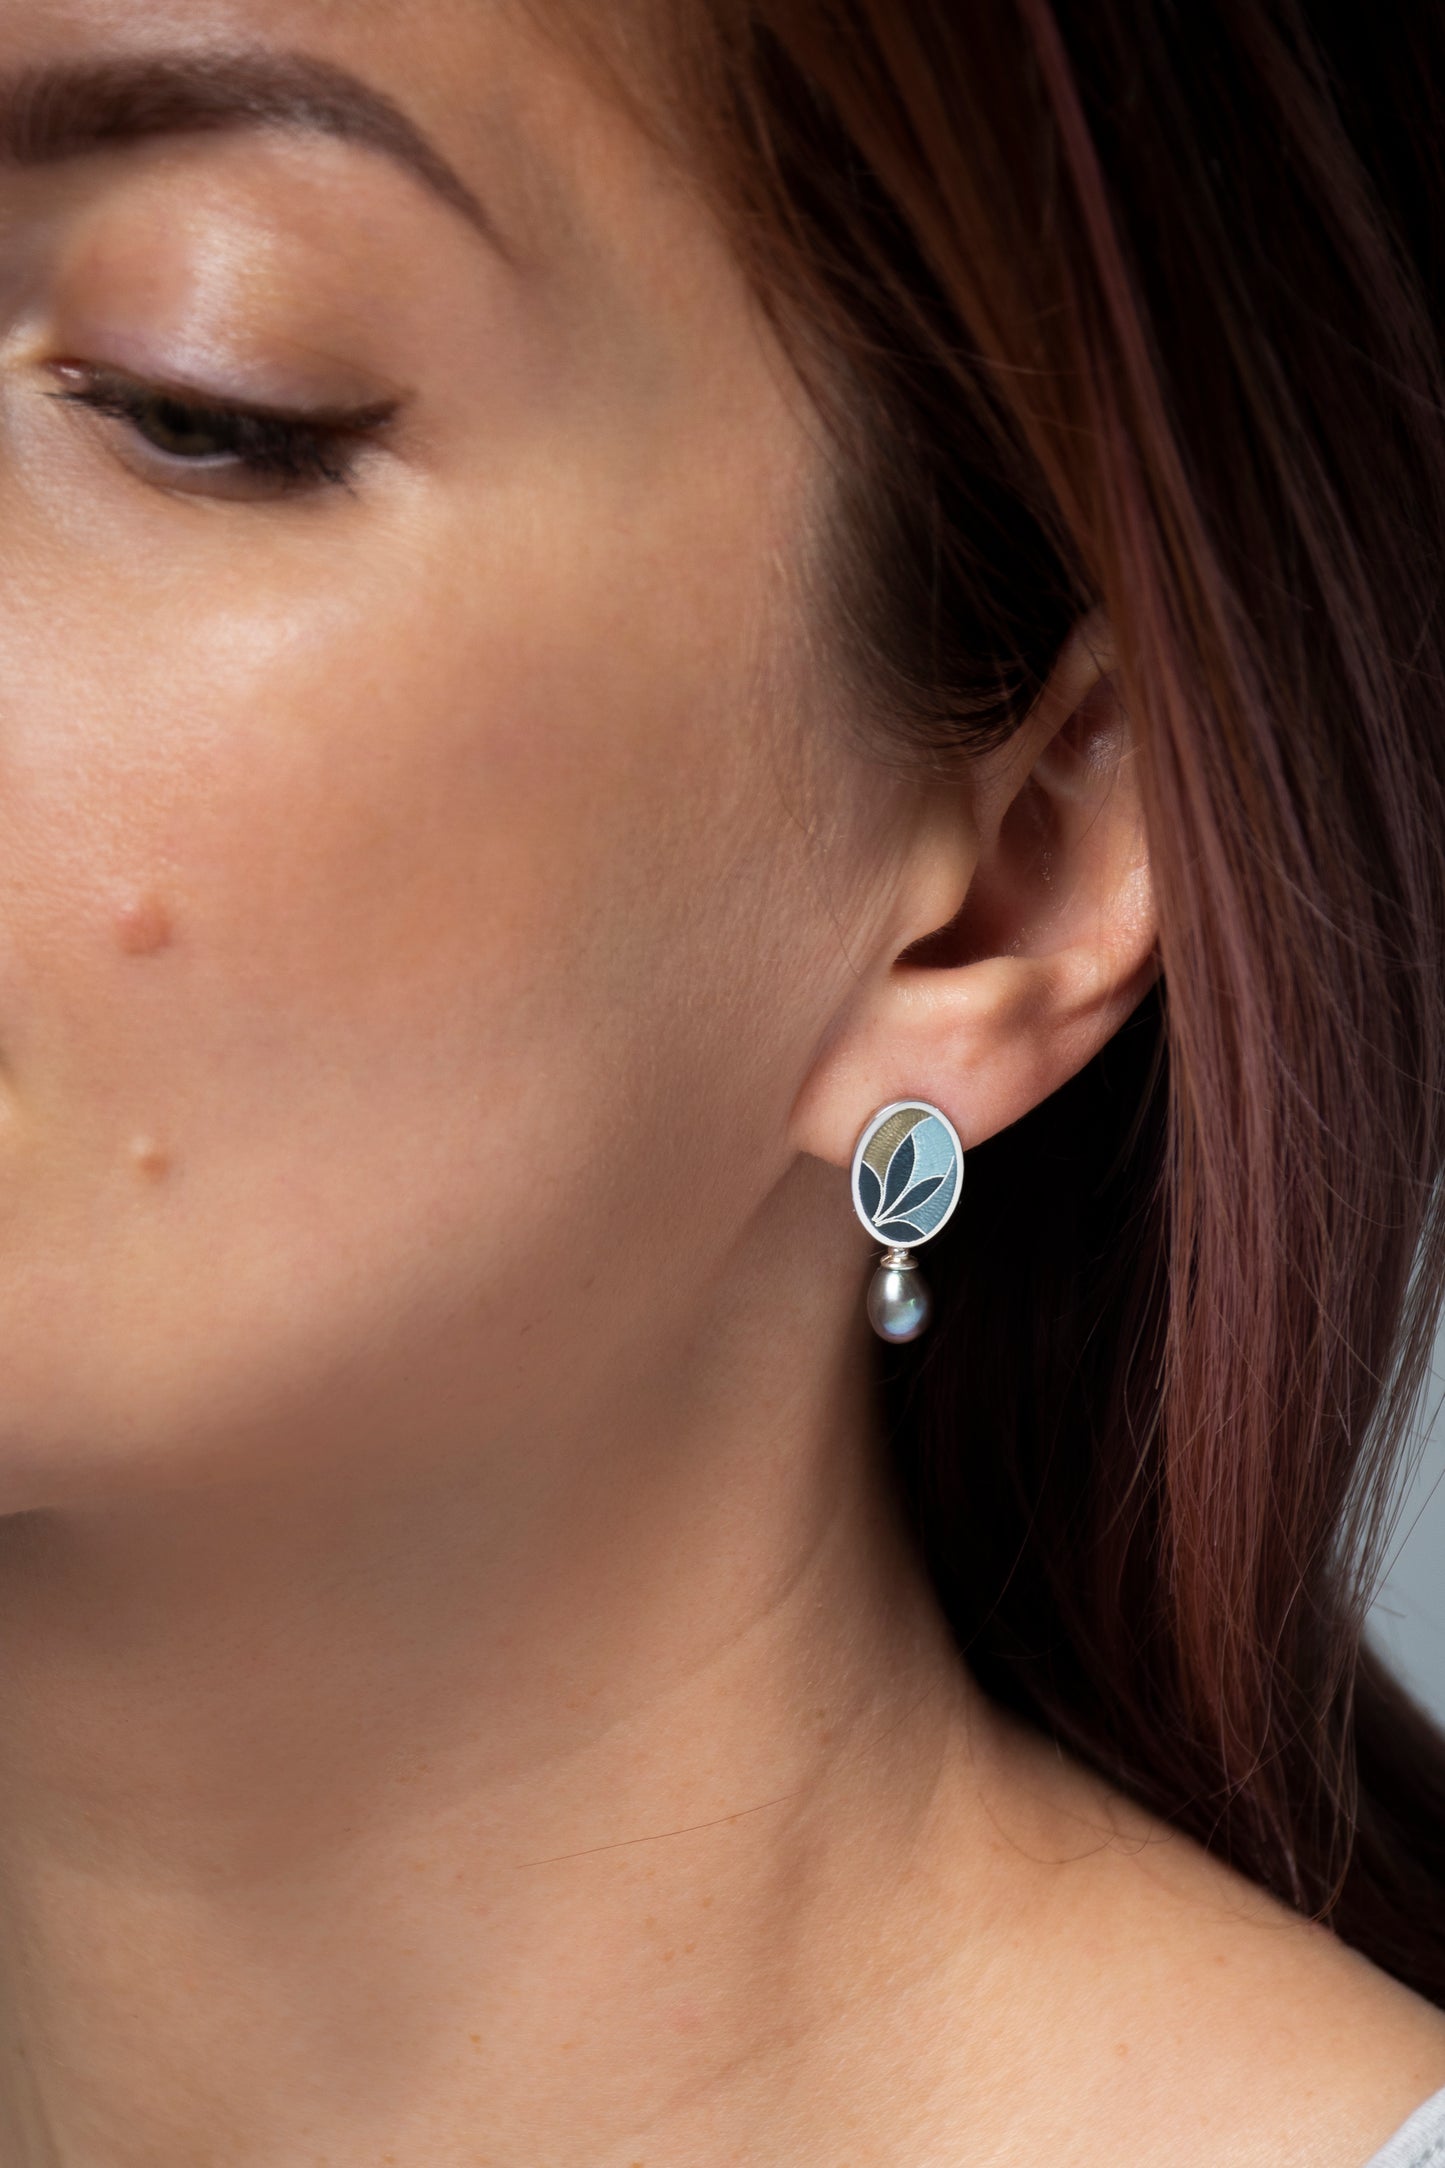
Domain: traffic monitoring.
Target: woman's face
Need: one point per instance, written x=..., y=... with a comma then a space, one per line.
x=420, y=889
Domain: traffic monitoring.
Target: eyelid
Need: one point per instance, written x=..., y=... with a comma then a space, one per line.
x=263, y=452
x=368, y=416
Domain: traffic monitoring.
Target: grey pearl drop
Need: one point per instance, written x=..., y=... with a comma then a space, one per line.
x=899, y=1304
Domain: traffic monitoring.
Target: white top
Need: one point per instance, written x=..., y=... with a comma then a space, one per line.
x=1420, y=2143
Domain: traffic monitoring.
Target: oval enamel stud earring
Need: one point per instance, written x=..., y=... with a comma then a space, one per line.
x=907, y=1173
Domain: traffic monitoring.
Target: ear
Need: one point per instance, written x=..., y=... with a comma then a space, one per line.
x=1023, y=932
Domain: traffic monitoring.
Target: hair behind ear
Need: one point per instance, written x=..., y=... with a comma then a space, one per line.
x=1134, y=310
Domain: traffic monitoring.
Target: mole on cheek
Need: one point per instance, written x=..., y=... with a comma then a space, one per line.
x=150, y=1159
x=143, y=926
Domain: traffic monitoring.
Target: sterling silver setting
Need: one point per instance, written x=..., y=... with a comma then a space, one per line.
x=907, y=1175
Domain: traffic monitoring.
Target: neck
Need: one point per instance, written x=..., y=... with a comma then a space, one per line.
x=336, y=1815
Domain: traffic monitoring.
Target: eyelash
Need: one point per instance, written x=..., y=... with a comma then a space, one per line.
x=294, y=451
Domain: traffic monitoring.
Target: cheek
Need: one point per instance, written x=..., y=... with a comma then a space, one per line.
x=368, y=954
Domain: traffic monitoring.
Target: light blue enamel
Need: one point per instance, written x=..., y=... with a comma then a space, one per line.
x=933, y=1154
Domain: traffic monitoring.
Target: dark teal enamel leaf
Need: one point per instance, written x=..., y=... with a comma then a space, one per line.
x=919, y=1194
x=900, y=1170
x=868, y=1191
x=899, y=1230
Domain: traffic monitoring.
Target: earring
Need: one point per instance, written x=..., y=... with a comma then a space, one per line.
x=907, y=1173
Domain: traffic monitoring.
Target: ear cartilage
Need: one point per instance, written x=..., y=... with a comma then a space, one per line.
x=907, y=1173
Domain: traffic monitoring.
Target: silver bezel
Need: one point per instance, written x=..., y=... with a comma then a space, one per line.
x=876, y=1121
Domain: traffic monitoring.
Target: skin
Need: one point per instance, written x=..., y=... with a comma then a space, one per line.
x=466, y=1698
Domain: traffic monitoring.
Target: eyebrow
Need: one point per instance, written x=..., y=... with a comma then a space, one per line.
x=65, y=109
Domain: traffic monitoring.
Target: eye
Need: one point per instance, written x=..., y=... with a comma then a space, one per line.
x=274, y=450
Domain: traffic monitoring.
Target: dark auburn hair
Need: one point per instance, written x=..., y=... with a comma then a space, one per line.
x=1128, y=304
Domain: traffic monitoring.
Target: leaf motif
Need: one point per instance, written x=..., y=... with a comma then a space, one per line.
x=870, y=1195
x=900, y=1169
x=900, y=1230
x=919, y=1194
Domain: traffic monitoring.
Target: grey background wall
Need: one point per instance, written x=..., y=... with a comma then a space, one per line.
x=1408, y=1621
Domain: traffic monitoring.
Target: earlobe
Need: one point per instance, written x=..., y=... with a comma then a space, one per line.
x=1051, y=945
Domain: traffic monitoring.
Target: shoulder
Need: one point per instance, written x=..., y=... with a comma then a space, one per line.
x=1212, y=2022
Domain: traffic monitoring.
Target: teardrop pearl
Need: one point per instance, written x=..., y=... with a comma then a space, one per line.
x=899, y=1304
